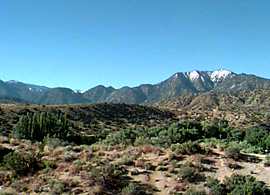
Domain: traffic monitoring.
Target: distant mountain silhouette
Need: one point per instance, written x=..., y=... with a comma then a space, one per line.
x=180, y=83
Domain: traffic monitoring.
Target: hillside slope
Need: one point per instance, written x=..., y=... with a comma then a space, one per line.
x=243, y=108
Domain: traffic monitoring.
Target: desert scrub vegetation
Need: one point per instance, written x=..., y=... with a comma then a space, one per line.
x=17, y=164
x=233, y=152
x=39, y=126
x=22, y=163
x=124, y=124
x=100, y=169
x=237, y=184
x=189, y=147
x=193, y=191
x=244, y=184
x=100, y=150
x=186, y=136
x=131, y=189
x=190, y=172
x=167, y=134
x=72, y=170
x=190, y=137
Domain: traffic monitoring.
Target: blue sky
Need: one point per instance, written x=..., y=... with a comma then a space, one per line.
x=83, y=43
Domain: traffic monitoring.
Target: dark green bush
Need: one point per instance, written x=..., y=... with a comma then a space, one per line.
x=23, y=163
x=236, y=135
x=189, y=147
x=37, y=126
x=131, y=189
x=192, y=191
x=3, y=151
x=216, y=188
x=109, y=176
x=259, y=138
x=41, y=125
x=124, y=136
x=244, y=184
x=167, y=134
x=190, y=133
x=255, y=136
x=237, y=184
x=187, y=174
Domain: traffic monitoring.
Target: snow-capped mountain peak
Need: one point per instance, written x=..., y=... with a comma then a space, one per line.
x=219, y=75
x=192, y=75
x=13, y=81
x=78, y=91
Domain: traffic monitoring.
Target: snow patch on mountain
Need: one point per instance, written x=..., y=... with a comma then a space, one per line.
x=192, y=75
x=219, y=75
x=13, y=81
x=78, y=91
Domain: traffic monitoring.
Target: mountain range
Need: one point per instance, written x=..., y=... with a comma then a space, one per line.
x=178, y=84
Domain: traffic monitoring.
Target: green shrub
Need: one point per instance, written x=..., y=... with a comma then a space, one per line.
x=63, y=187
x=244, y=184
x=192, y=191
x=41, y=125
x=188, y=134
x=139, y=141
x=187, y=174
x=124, y=136
x=109, y=176
x=259, y=138
x=236, y=135
x=23, y=163
x=215, y=187
x=236, y=184
x=215, y=142
x=245, y=146
x=233, y=152
x=131, y=189
x=126, y=161
x=167, y=134
x=189, y=147
x=255, y=136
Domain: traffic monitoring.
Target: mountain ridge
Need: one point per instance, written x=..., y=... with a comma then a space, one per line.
x=220, y=80
x=241, y=108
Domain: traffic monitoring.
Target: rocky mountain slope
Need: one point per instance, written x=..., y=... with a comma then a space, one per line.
x=242, y=108
x=179, y=83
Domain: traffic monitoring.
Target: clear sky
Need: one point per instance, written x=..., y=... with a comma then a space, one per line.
x=83, y=43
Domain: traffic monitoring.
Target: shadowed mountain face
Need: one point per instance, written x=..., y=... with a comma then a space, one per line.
x=60, y=96
x=241, y=82
x=98, y=93
x=178, y=84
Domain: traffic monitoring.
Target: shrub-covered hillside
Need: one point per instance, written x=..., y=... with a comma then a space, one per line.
x=242, y=109
x=89, y=118
x=127, y=149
